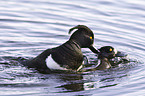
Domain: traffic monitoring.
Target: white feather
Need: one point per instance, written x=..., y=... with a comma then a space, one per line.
x=51, y=64
x=115, y=51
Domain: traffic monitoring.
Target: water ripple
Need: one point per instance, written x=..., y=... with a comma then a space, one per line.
x=27, y=27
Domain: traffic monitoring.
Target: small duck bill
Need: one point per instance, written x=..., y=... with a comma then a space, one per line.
x=120, y=54
x=104, y=54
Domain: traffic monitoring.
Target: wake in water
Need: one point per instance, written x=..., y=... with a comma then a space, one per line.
x=9, y=62
x=14, y=74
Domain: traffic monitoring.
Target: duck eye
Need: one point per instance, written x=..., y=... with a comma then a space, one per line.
x=110, y=49
x=91, y=37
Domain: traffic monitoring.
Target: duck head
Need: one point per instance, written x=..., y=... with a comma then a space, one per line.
x=109, y=52
x=84, y=37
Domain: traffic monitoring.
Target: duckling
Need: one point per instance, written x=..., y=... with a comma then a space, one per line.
x=105, y=53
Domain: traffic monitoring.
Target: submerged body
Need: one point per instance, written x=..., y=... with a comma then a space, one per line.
x=106, y=53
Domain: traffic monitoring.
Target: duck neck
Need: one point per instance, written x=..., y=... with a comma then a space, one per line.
x=104, y=64
x=69, y=55
x=75, y=43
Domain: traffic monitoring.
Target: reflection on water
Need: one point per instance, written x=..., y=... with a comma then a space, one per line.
x=27, y=29
x=14, y=75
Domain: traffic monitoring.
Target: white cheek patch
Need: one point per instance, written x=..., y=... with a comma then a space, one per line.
x=51, y=64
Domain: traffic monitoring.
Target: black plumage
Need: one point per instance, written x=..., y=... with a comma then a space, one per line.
x=67, y=55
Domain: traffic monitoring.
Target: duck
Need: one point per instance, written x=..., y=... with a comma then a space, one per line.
x=67, y=56
x=105, y=53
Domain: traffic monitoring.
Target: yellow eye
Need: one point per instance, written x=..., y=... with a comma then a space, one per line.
x=91, y=37
x=110, y=49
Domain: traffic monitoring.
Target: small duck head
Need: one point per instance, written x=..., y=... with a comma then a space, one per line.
x=109, y=52
x=83, y=36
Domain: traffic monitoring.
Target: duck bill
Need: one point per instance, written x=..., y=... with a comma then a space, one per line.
x=93, y=49
x=120, y=54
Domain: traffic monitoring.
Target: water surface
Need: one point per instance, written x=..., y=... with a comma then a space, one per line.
x=27, y=27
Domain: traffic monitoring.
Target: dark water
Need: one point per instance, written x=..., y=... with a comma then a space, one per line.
x=27, y=27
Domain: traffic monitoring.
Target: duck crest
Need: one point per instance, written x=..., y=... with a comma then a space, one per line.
x=67, y=55
x=80, y=27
